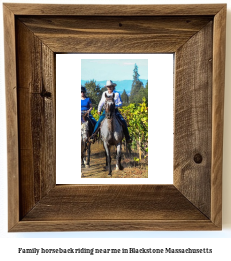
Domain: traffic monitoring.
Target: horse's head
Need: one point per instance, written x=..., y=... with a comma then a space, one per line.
x=83, y=116
x=109, y=106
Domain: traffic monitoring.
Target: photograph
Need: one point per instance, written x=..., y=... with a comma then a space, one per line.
x=114, y=118
x=119, y=94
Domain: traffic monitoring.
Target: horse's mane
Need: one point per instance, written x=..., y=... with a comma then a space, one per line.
x=110, y=97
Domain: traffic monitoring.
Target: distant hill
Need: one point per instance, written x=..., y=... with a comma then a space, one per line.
x=121, y=85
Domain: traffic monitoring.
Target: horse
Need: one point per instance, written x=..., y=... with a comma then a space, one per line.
x=86, y=131
x=111, y=133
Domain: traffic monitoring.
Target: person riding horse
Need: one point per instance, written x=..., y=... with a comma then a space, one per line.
x=87, y=125
x=118, y=103
x=86, y=106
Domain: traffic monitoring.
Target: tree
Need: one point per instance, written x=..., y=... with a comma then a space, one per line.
x=137, y=87
x=143, y=93
x=125, y=98
x=93, y=92
x=136, y=74
x=146, y=92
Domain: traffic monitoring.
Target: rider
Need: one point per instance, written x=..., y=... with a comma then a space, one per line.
x=86, y=105
x=118, y=103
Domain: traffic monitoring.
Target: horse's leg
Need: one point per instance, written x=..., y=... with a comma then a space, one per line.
x=88, y=155
x=82, y=162
x=82, y=159
x=82, y=165
x=108, y=158
x=118, y=157
x=105, y=157
x=84, y=156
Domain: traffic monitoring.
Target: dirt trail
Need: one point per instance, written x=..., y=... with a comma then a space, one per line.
x=98, y=162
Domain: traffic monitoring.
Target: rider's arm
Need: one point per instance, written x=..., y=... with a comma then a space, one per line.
x=101, y=103
x=90, y=105
x=118, y=101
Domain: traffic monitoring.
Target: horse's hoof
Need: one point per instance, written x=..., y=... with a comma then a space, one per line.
x=87, y=166
x=119, y=168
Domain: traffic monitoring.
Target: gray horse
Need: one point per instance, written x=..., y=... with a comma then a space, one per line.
x=85, y=146
x=111, y=133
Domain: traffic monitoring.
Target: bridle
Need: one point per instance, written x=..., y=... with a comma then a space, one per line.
x=109, y=107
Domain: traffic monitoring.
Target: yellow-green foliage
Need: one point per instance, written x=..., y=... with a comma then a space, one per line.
x=95, y=114
x=137, y=119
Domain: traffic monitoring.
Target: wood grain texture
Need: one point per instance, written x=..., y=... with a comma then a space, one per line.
x=114, y=225
x=113, y=202
x=11, y=115
x=114, y=10
x=114, y=207
x=114, y=34
x=218, y=115
x=193, y=114
x=36, y=106
x=194, y=201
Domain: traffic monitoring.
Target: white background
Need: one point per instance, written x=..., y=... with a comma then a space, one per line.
x=218, y=240
x=160, y=107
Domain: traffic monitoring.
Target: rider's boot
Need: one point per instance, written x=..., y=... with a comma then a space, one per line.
x=92, y=139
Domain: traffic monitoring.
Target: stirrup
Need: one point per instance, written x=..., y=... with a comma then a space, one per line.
x=91, y=139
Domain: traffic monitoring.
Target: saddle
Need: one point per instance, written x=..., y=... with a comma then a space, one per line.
x=120, y=122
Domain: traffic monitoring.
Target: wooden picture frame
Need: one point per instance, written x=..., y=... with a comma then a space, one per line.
x=34, y=33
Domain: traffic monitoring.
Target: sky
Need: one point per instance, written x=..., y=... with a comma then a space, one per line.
x=113, y=69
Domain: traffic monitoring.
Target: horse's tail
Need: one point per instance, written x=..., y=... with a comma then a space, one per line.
x=128, y=149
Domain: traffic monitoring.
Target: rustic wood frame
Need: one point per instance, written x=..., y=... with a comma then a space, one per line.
x=33, y=34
